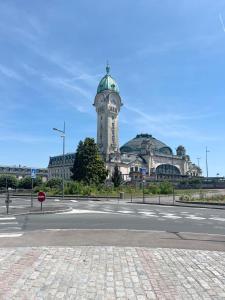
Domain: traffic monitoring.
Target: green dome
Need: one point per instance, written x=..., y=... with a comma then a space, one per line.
x=139, y=143
x=107, y=83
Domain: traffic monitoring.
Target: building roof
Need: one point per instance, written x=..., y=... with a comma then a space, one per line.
x=141, y=141
x=107, y=83
x=58, y=160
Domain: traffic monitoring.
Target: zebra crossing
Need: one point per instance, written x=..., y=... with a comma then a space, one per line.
x=9, y=227
x=157, y=214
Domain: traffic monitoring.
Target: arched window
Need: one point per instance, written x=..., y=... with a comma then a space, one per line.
x=167, y=169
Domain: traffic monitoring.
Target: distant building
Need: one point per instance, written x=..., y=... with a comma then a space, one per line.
x=55, y=166
x=21, y=171
x=142, y=153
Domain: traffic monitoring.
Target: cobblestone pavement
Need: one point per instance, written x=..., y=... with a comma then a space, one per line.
x=111, y=273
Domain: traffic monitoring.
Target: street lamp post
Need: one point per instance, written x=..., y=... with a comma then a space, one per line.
x=63, y=135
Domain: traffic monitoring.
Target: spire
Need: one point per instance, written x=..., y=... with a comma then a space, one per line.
x=107, y=68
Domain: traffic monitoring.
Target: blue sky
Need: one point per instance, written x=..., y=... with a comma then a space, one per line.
x=168, y=58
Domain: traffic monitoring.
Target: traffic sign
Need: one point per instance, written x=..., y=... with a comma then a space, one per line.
x=33, y=173
x=143, y=171
x=41, y=196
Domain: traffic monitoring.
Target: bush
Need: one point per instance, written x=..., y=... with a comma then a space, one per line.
x=54, y=183
x=26, y=182
x=154, y=189
x=166, y=188
x=185, y=198
x=73, y=188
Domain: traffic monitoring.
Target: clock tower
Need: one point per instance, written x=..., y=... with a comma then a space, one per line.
x=107, y=103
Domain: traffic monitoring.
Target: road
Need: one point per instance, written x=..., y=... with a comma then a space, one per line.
x=116, y=223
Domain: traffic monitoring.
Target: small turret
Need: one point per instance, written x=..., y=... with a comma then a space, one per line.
x=181, y=151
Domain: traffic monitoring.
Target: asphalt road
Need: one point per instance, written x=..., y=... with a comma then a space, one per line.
x=116, y=223
x=129, y=216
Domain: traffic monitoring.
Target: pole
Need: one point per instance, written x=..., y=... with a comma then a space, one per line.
x=7, y=202
x=198, y=158
x=172, y=169
x=143, y=190
x=173, y=179
x=63, y=179
x=173, y=195
x=32, y=192
x=63, y=135
x=206, y=162
x=7, y=195
x=6, y=184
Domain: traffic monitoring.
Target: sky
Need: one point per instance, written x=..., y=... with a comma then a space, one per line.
x=168, y=58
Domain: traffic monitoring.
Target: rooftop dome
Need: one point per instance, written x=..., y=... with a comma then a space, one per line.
x=137, y=144
x=107, y=83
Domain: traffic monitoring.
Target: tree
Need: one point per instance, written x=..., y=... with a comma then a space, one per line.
x=117, y=178
x=26, y=182
x=9, y=181
x=88, y=164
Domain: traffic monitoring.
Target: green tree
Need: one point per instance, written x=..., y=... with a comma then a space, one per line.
x=26, y=182
x=117, y=178
x=88, y=164
x=9, y=181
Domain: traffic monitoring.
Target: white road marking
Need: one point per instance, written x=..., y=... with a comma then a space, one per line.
x=3, y=235
x=82, y=211
x=165, y=213
x=4, y=223
x=14, y=227
x=125, y=211
x=56, y=200
x=217, y=219
x=195, y=218
x=148, y=214
x=172, y=217
x=7, y=218
x=74, y=201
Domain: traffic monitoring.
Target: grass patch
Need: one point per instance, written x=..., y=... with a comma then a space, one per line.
x=213, y=199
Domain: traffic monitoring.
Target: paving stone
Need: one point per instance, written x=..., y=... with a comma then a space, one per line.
x=111, y=273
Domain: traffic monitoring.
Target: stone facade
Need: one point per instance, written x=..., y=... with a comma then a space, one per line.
x=21, y=171
x=156, y=158
x=55, y=166
x=107, y=103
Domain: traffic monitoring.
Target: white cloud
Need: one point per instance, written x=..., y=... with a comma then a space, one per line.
x=65, y=83
x=10, y=73
x=25, y=138
x=170, y=124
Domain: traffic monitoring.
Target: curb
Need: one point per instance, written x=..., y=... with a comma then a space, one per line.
x=181, y=205
x=202, y=203
x=41, y=212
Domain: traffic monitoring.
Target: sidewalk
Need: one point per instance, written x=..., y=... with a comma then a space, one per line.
x=36, y=209
x=109, y=273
